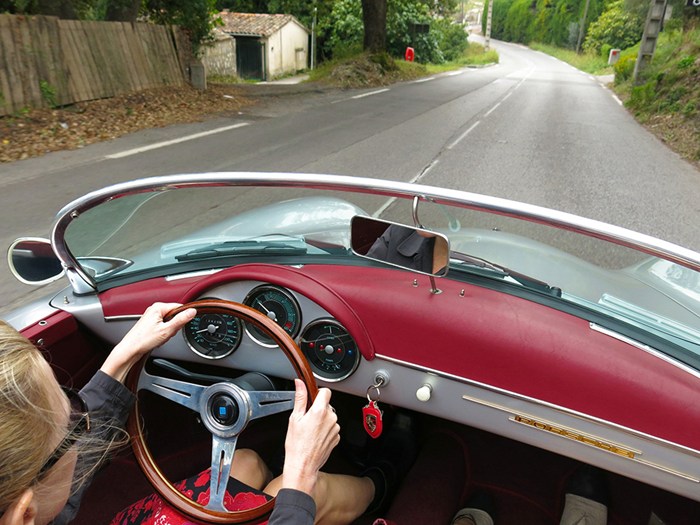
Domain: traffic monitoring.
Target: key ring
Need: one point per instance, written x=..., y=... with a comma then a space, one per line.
x=369, y=397
x=379, y=381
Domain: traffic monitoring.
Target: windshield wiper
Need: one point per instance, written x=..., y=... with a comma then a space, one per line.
x=244, y=247
x=503, y=272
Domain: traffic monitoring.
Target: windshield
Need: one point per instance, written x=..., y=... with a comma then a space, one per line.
x=176, y=231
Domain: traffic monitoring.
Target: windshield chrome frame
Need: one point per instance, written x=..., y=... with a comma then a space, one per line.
x=462, y=199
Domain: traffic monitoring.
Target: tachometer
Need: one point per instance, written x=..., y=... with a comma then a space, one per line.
x=331, y=351
x=277, y=304
x=213, y=335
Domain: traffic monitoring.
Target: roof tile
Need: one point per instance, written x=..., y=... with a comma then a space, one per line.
x=254, y=24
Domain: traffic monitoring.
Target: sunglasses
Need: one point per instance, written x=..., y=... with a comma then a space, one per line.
x=78, y=426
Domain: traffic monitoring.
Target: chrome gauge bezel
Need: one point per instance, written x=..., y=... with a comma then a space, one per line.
x=254, y=332
x=232, y=348
x=319, y=373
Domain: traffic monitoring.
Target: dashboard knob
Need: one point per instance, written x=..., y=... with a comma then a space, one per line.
x=424, y=393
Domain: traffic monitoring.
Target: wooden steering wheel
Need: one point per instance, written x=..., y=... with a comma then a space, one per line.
x=241, y=406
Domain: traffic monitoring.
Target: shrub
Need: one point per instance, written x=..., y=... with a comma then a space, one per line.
x=642, y=97
x=624, y=68
x=452, y=38
x=48, y=93
x=616, y=27
x=686, y=62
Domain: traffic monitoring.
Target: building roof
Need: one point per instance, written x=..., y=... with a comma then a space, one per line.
x=254, y=24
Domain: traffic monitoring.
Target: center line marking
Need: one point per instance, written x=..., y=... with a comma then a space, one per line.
x=166, y=143
x=459, y=139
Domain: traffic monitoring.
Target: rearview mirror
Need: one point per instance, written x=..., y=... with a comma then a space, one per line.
x=407, y=247
x=32, y=261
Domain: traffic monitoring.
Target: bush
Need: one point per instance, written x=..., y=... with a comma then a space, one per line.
x=624, y=68
x=452, y=38
x=616, y=27
x=642, y=97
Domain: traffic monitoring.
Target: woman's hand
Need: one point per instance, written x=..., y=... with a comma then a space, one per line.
x=311, y=437
x=149, y=332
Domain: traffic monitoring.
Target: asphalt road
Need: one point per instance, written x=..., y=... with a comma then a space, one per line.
x=531, y=129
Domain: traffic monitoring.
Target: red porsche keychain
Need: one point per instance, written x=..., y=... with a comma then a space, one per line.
x=371, y=415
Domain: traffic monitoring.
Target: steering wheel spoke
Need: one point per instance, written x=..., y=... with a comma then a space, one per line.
x=268, y=403
x=222, y=451
x=183, y=393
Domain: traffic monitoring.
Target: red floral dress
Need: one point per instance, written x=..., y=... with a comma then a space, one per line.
x=153, y=510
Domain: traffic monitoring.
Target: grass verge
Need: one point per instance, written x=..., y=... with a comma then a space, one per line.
x=590, y=63
x=365, y=70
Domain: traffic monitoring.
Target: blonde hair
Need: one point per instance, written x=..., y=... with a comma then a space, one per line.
x=28, y=426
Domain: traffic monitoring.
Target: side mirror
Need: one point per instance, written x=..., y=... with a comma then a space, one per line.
x=32, y=261
x=403, y=246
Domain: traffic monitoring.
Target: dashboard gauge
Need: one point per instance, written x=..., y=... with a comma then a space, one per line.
x=277, y=304
x=331, y=351
x=213, y=334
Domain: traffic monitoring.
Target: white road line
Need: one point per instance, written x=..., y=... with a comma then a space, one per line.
x=455, y=73
x=617, y=99
x=423, y=80
x=383, y=207
x=459, y=139
x=508, y=95
x=370, y=93
x=425, y=171
x=492, y=109
x=166, y=143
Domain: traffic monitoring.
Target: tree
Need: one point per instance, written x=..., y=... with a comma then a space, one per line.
x=122, y=10
x=374, y=20
x=195, y=17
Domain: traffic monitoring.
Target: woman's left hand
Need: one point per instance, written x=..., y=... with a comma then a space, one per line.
x=149, y=332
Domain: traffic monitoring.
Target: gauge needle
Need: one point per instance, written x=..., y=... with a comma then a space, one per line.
x=211, y=329
x=269, y=313
x=263, y=307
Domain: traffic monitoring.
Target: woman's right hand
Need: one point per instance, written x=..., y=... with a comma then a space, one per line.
x=311, y=437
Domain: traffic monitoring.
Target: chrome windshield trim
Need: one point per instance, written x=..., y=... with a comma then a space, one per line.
x=646, y=348
x=546, y=404
x=529, y=212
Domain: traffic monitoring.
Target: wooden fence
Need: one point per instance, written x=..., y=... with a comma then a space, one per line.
x=46, y=61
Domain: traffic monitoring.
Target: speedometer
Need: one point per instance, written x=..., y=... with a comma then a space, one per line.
x=277, y=304
x=213, y=335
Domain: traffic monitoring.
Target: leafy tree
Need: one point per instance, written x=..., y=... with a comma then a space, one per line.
x=409, y=23
x=195, y=17
x=616, y=27
x=122, y=10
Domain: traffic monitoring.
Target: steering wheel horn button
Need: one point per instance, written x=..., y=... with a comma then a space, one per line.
x=224, y=410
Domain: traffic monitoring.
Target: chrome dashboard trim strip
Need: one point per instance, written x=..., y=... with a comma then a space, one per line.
x=546, y=404
x=126, y=317
x=529, y=212
x=578, y=436
x=646, y=348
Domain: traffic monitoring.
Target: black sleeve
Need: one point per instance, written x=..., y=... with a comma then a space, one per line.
x=109, y=403
x=293, y=507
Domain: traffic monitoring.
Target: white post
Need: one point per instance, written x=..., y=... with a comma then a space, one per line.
x=488, y=25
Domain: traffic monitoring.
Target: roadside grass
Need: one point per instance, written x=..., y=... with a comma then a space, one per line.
x=365, y=70
x=474, y=55
x=666, y=98
x=588, y=62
